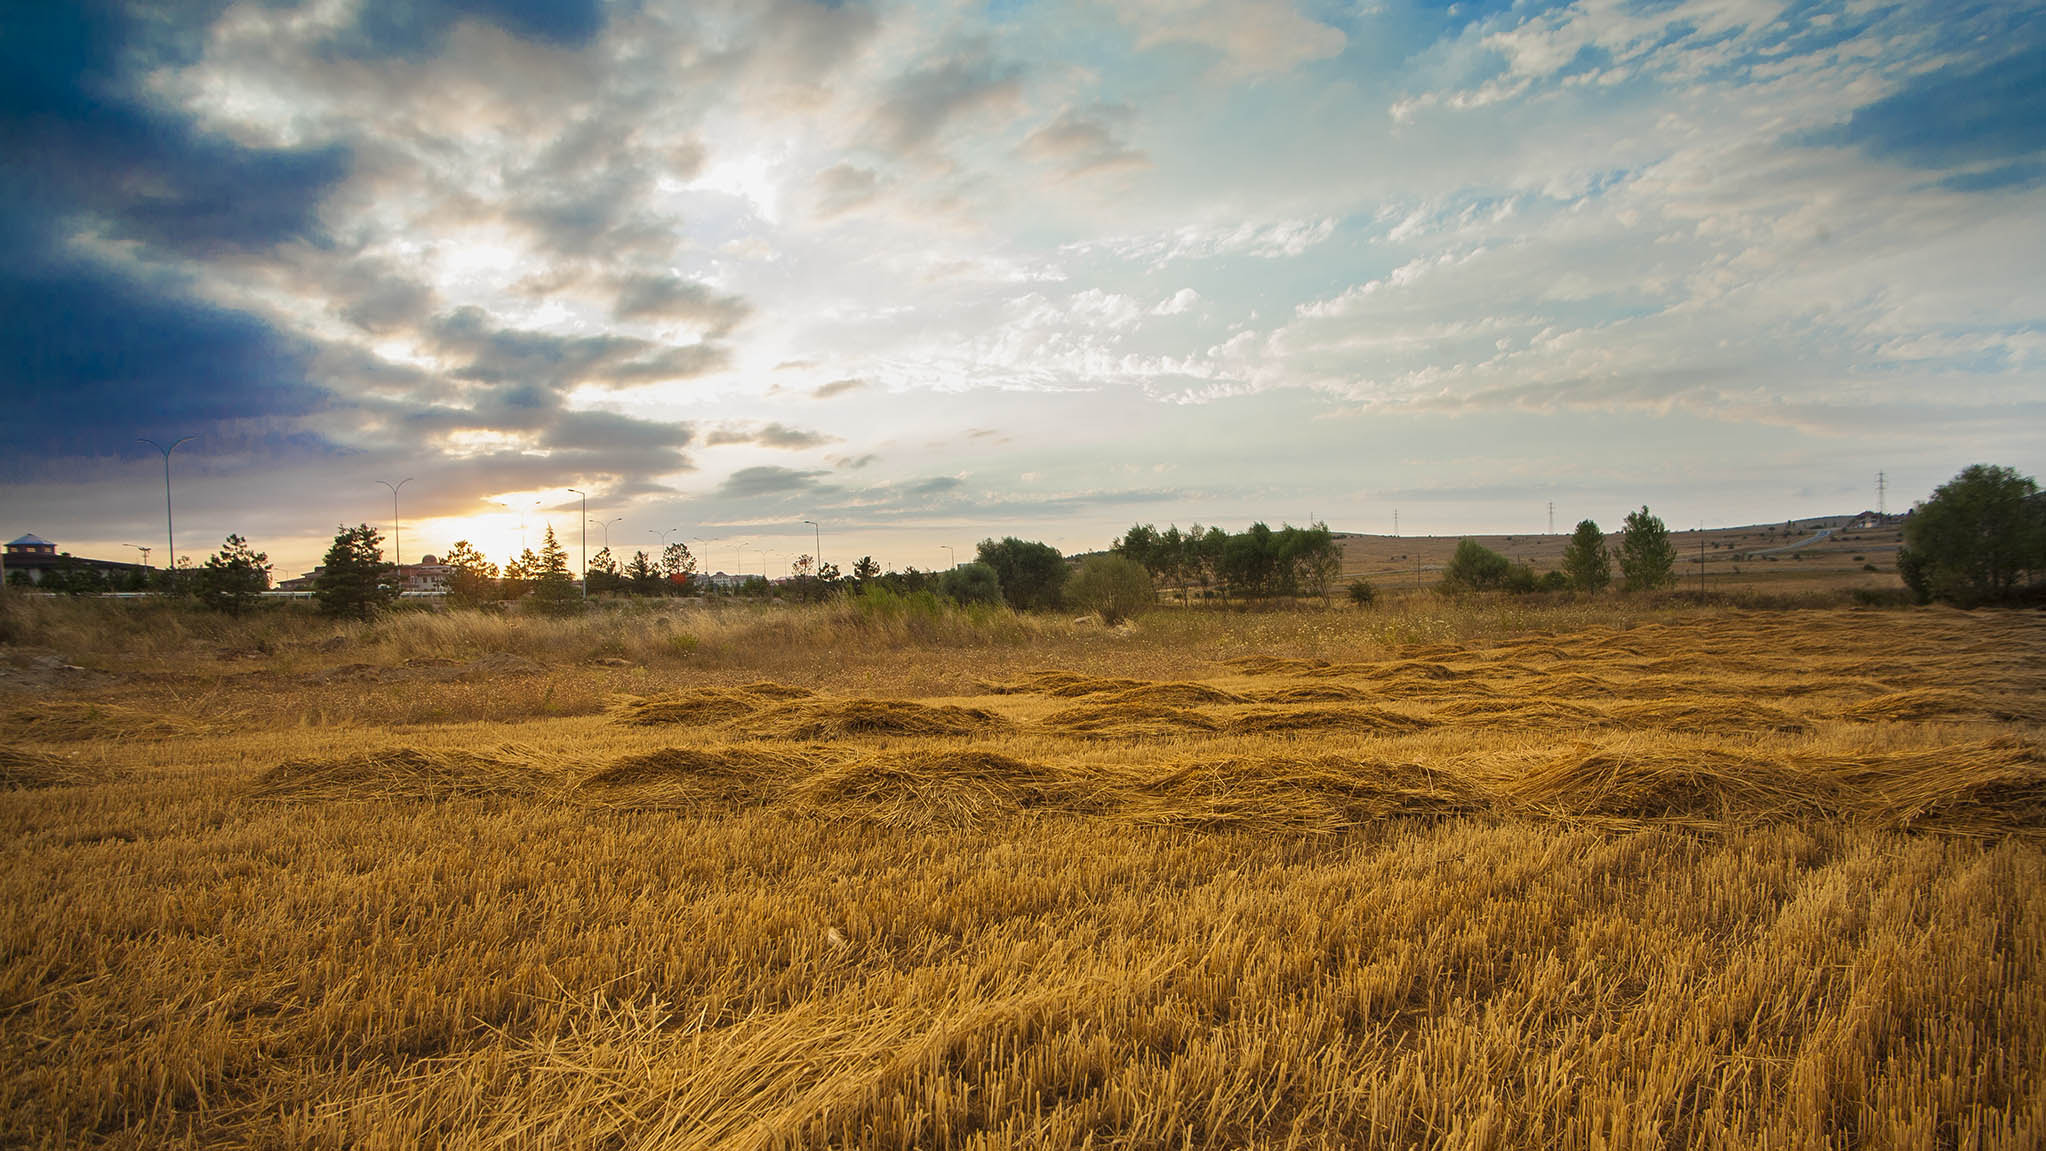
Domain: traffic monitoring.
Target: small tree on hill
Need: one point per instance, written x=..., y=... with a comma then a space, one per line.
x=354, y=579
x=1648, y=559
x=234, y=578
x=1974, y=539
x=604, y=574
x=643, y=574
x=1111, y=587
x=1586, y=560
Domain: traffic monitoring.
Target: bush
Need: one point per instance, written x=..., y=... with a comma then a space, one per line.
x=971, y=583
x=1475, y=567
x=1362, y=593
x=1111, y=587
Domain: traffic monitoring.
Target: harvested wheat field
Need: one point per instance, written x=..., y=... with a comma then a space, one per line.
x=1610, y=875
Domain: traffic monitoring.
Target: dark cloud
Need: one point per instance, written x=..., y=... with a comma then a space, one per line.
x=773, y=435
x=91, y=357
x=855, y=463
x=838, y=388
x=506, y=355
x=670, y=297
x=751, y=483
x=1991, y=119
x=413, y=29
x=1077, y=142
x=922, y=103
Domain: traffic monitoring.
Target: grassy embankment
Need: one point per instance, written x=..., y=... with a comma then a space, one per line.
x=1480, y=874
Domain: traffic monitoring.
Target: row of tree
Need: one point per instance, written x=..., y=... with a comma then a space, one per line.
x=1256, y=563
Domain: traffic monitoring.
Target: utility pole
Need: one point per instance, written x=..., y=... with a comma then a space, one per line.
x=1701, y=561
x=1552, y=517
x=169, y=530
x=1395, y=523
x=1882, y=508
x=397, y=549
x=586, y=541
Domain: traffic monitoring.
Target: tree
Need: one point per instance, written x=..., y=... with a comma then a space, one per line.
x=1032, y=575
x=234, y=578
x=1139, y=545
x=1475, y=567
x=554, y=589
x=677, y=564
x=866, y=569
x=644, y=574
x=1317, y=559
x=354, y=580
x=1973, y=539
x=1647, y=557
x=474, y=580
x=604, y=574
x=1112, y=587
x=971, y=583
x=1586, y=561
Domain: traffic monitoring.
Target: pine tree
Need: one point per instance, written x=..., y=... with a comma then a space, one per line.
x=234, y=577
x=475, y=578
x=555, y=590
x=354, y=580
x=1586, y=560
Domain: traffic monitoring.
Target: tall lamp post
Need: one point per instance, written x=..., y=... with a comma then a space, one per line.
x=605, y=527
x=954, y=555
x=397, y=548
x=816, y=552
x=169, y=531
x=585, y=513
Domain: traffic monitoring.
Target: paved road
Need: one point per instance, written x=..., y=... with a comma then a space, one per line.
x=1815, y=537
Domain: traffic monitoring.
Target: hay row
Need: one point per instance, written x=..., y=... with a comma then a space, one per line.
x=25, y=770
x=1991, y=788
x=68, y=721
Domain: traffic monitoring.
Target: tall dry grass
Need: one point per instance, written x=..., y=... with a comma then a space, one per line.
x=1341, y=880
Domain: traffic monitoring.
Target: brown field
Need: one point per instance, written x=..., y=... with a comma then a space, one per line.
x=1446, y=874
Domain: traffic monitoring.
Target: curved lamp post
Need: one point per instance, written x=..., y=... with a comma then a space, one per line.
x=169, y=530
x=397, y=548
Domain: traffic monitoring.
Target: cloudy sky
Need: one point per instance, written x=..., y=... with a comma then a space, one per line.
x=928, y=272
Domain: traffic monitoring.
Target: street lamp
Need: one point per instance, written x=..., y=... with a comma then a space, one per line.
x=585, y=513
x=397, y=549
x=169, y=533
x=522, y=520
x=953, y=554
x=817, y=552
x=605, y=527
x=145, y=558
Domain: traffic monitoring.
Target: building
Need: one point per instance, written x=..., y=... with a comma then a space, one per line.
x=428, y=577
x=33, y=560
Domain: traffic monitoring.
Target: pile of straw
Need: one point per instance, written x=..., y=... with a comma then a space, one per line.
x=702, y=705
x=70, y=721
x=24, y=770
x=837, y=718
x=406, y=773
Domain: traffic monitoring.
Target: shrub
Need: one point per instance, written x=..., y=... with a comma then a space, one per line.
x=1362, y=593
x=1475, y=567
x=1111, y=587
x=971, y=583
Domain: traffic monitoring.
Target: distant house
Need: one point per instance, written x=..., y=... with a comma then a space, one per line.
x=428, y=577
x=31, y=559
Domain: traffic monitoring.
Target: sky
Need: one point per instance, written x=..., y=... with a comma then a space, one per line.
x=894, y=278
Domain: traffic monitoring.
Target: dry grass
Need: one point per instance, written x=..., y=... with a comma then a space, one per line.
x=1440, y=876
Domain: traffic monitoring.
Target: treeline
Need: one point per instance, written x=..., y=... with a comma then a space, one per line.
x=1647, y=560
x=1256, y=563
